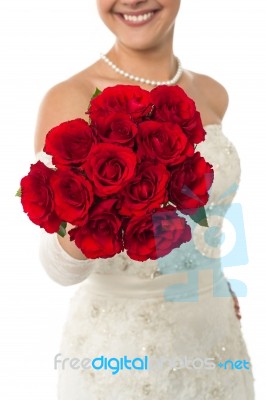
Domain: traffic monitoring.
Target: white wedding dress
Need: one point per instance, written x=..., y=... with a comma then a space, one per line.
x=178, y=311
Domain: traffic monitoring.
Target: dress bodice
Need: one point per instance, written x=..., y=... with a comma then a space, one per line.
x=203, y=251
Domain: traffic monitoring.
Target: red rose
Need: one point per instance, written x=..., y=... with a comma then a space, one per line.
x=37, y=197
x=164, y=142
x=116, y=129
x=102, y=234
x=127, y=99
x=110, y=167
x=189, y=184
x=173, y=105
x=69, y=143
x=155, y=235
x=146, y=191
x=73, y=196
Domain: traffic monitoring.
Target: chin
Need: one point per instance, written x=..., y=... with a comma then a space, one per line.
x=138, y=46
x=144, y=44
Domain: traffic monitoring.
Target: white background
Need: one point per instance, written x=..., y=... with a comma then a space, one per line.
x=46, y=41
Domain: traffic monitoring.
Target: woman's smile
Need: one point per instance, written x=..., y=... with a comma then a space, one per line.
x=137, y=19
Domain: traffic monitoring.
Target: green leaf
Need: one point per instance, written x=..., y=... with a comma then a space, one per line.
x=19, y=192
x=62, y=229
x=200, y=217
x=96, y=93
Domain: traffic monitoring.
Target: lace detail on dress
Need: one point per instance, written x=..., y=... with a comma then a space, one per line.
x=168, y=333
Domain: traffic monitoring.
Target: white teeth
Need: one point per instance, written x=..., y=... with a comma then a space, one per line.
x=139, y=18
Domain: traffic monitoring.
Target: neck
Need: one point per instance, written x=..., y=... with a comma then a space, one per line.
x=158, y=64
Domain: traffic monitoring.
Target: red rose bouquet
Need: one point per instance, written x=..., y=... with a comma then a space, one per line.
x=125, y=178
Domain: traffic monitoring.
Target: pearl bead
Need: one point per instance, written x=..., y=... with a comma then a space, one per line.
x=142, y=80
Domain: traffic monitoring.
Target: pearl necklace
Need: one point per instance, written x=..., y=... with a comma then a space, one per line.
x=142, y=80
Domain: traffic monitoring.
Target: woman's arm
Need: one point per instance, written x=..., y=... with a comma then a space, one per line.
x=210, y=96
x=63, y=261
x=62, y=267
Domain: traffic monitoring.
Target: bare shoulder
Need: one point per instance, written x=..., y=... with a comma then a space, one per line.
x=66, y=100
x=214, y=94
